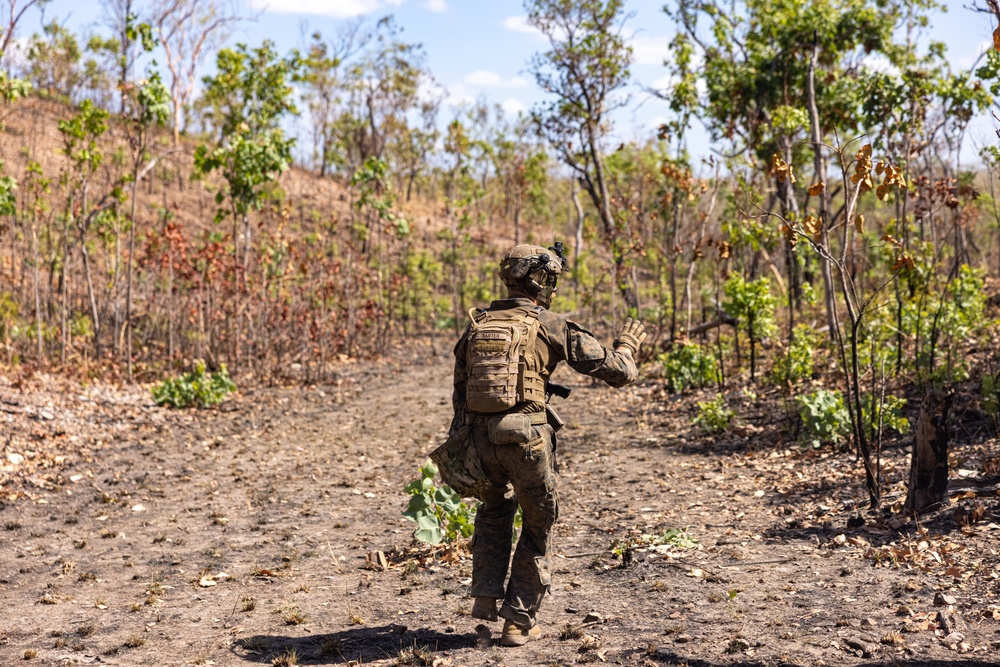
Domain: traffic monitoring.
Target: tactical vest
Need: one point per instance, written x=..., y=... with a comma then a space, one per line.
x=500, y=372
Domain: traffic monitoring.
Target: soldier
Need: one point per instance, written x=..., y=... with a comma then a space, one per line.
x=502, y=441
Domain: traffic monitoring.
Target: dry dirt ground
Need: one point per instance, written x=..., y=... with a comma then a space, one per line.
x=135, y=535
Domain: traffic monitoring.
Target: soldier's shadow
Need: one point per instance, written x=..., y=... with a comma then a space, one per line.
x=362, y=644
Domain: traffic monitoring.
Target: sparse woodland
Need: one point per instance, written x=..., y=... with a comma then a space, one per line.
x=153, y=216
x=834, y=245
x=820, y=287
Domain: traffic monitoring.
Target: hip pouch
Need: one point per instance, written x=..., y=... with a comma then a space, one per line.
x=511, y=429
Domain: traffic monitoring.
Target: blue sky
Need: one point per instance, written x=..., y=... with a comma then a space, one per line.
x=481, y=47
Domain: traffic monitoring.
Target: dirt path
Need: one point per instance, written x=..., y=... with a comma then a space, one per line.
x=239, y=535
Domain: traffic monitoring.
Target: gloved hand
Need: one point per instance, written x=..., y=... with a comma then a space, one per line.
x=631, y=336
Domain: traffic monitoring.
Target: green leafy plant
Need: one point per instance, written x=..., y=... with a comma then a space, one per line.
x=796, y=363
x=195, y=389
x=889, y=413
x=673, y=538
x=687, y=366
x=439, y=512
x=752, y=303
x=824, y=417
x=713, y=416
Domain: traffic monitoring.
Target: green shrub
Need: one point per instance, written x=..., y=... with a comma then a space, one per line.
x=796, y=363
x=752, y=304
x=687, y=366
x=439, y=512
x=824, y=417
x=890, y=412
x=195, y=389
x=714, y=416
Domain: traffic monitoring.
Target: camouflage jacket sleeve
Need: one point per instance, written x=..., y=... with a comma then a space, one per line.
x=585, y=354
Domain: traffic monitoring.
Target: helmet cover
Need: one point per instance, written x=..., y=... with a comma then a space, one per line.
x=533, y=270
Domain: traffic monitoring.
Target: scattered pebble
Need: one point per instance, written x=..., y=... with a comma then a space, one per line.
x=941, y=600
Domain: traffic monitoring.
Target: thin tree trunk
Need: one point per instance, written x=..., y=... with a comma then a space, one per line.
x=127, y=328
x=578, y=247
x=64, y=277
x=38, y=299
x=819, y=166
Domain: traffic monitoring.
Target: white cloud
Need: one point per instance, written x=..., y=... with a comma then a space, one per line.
x=338, y=9
x=429, y=90
x=520, y=24
x=513, y=106
x=487, y=79
x=457, y=95
x=438, y=6
x=876, y=62
x=974, y=56
x=648, y=49
x=664, y=82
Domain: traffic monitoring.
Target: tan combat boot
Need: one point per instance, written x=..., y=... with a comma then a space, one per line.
x=515, y=635
x=485, y=609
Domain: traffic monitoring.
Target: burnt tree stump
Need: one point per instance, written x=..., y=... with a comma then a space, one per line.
x=928, y=485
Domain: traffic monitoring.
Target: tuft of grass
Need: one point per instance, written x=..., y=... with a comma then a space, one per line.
x=30, y=654
x=570, y=631
x=257, y=643
x=290, y=614
x=294, y=618
x=414, y=656
x=134, y=641
x=288, y=658
x=86, y=630
x=249, y=604
x=154, y=591
x=330, y=645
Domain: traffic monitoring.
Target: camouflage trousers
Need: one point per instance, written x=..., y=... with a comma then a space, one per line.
x=519, y=475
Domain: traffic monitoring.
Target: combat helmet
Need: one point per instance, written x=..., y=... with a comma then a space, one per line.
x=533, y=270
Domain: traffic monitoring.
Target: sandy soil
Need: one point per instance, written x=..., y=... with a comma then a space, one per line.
x=135, y=535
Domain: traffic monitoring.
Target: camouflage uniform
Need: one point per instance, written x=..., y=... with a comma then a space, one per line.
x=523, y=474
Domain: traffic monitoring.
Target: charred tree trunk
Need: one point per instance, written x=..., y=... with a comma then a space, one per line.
x=928, y=485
